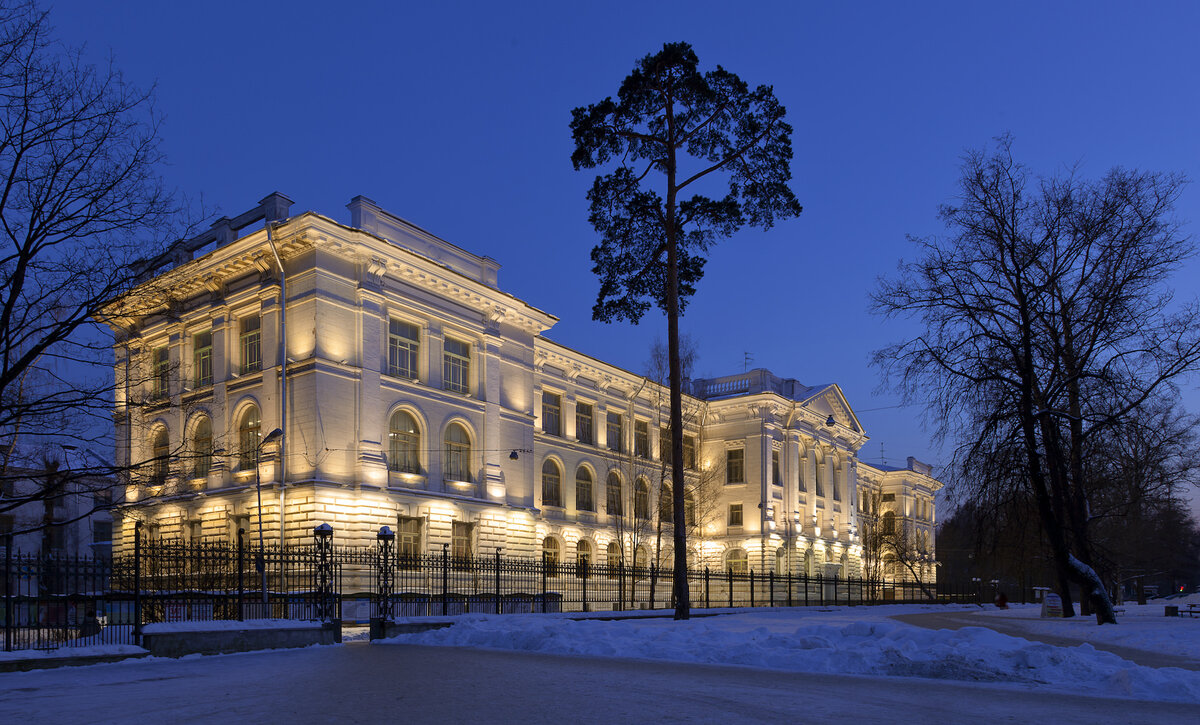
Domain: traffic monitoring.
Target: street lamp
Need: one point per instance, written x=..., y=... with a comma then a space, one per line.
x=261, y=564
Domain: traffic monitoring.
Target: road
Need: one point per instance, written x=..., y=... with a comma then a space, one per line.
x=360, y=682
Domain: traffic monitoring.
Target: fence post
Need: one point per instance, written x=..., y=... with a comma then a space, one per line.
x=323, y=536
x=729, y=581
x=772, y=583
x=137, y=583
x=543, y=582
x=383, y=579
x=706, y=604
x=241, y=565
x=653, y=582
x=789, y=586
x=497, y=580
x=752, y=588
x=8, y=587
x=445, y=579
x=621, y=582
x=583, y=570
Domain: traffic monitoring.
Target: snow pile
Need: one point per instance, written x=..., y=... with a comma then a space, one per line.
x=97, y=650
x=226, y=625
x=784, y=640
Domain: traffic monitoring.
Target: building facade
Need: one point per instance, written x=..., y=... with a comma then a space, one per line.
x=409, y=390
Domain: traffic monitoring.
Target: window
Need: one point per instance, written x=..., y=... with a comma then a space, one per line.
x=551, y=484
x=202, y=448
x=641, y=439
x=689, y=449
x=666, y=504
x=460, y=541
x=404, y=443
x=612, y=495
x=552, y=413
x=202, y=359
x=689, y=508
x=583, y=423
x=248, y=435
x=195, y=531
x=735, y=514
x=101, y=531
x=583, y=556
x=776, y=474
x=250, y=336
x=641, y=500
x=888, y=497
x=160, y=383
x=612, y=557
x=800, y=474
x=737, y=562
x=833, y=484
x=456, y=367
x=615, y=432
x=238, y=523
x=735, y=466
x=817, y=464
x=584, y=501
x=889, y=523
x=404, y=346
x=641, y=557
x=408, y=537
x=159, y=451
x=458, y=454
x=550, y=555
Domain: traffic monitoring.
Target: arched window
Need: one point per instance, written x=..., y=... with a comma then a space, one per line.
x=160, y=450
x=612, y=556
x=551, y=484
x=404, y=443
x=888, y=526
x=248, y=437
x=202, y=448
x=457, y=465
x=666, y=504
x=584, y=500
x=810, y=563
x=641, y=500
x=583, y=558
x=612, y=495
x=737, y=561
x=818, y=464
x=641, y=557
x=550, y=555
x=781, y=560
x=689, y=508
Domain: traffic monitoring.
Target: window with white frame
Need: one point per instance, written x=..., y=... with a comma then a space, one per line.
x=161, y=380
x=641, y=439
x=404, y=347
x=202, y=367
x=408, y=537
x=202, y=447
x=248, y=438
x=250, y=343
x=160, y=450
x=457, y=466
x=584, y=499
x=735, y=465
x=551, y=484
x=641, y=500
x=735, y=514
x=456, y=365
x=404, y=443
x=615, y=432
x=552, y=413
x=737, y=562
x=460, y=540
x=613, y=496
x=584, y=423
x=551, y=554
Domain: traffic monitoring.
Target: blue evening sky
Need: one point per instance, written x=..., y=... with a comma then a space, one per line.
x=455, y=117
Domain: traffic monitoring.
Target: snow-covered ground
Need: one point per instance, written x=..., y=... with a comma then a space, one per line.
x=864, y=641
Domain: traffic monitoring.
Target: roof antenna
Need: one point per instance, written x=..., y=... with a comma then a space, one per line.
x=746, y=360
x=882, y=458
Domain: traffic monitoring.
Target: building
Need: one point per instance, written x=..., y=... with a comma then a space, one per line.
x=56, y=513
x=413, y=392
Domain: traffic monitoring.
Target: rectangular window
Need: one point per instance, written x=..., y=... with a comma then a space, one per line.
x=689, y=452
x=552, y=414
x=735, y=466
x=404, y=346
x=250, y=336
x=615, y=432
x=456, y=368
x=202, y=359
x=735, y=514
x=408, y=537
x=102, y=531
x=460, y=544
x=162, y=372
x=195, y=529
x=888, y=497
x=776, y=474
x=583, y=423
x=664, y=446
x=641, y=439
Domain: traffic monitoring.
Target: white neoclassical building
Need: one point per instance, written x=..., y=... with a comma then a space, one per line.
x=412, y=391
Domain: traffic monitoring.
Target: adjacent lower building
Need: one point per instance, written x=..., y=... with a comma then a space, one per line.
x=372, y=374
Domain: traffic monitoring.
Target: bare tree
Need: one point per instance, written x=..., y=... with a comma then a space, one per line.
x=83, y=213
x=1047, y=321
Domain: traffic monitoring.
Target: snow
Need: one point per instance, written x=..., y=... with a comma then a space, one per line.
x=97, y=650
x=226, y=625
x=860, y=641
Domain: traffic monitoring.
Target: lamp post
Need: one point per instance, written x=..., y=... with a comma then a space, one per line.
x=261, y=564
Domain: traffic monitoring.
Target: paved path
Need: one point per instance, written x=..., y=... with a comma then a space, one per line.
x=397, y=683
x=957, y=620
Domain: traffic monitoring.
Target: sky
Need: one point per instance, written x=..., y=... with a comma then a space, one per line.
x=455, y=116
